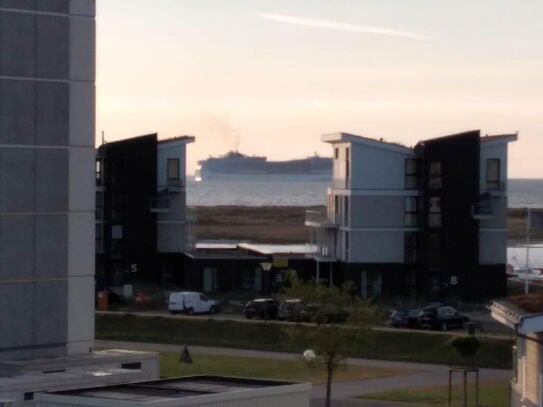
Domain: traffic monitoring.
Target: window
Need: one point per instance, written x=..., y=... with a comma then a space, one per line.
x=410, y=247
x=434, y=216
x=347, y=167
x=411, y=211
x=336, y=153
x=435, y=180
x=411, y=173
x=493, y=174
x=347, y=246
x=99, y=172
x=173, y=169
x=346, y=210
x=117, y=231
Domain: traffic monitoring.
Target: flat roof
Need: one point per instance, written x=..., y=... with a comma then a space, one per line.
x=342, y=137
x=270, y=249
x=183, y=139
x=173, y=389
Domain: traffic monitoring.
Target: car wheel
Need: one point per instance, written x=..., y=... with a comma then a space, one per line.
x=444, y=326
x=212, y=309
x=190, y=311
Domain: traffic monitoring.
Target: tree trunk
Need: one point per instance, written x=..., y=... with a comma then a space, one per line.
x=329, y=372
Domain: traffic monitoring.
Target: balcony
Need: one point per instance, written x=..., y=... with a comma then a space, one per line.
x=482, y=209
x=159, y=203
x=318, y=219
x=175, y=185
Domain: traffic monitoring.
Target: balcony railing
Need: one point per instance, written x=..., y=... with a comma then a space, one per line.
x=318, y=219
x=482, y=209
x=159, y=203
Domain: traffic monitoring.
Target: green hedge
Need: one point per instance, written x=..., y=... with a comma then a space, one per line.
x=388, y=345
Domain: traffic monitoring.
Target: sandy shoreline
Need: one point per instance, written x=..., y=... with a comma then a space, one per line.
x=285, y=224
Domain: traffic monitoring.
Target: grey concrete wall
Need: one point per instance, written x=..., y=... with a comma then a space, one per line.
x=46, y=179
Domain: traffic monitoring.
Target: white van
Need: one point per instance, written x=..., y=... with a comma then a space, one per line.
x=190, y=302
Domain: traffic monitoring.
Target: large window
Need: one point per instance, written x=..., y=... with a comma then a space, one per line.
x=347, y=166
x=411, y=173
x=411, y=211
x=346, y=210
x=493, y=180
x=435, y=180
x=410, y=247
x=434, y=215
x=173, y=169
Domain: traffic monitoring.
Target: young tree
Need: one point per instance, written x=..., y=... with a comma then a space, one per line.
x=339, y=317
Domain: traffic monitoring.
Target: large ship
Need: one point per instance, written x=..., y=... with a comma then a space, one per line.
x=236, y=166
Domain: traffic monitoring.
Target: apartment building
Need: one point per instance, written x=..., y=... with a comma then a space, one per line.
x=46, y=194
x=424, y=221
x=47, y=206
x=141, y=224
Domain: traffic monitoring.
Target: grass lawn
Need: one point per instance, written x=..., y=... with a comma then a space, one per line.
x=389, y=345
x=491, y=394
x=265, y=368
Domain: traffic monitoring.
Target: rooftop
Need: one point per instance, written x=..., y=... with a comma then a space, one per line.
x=185, y=139
x=352, y=138
x=168, y=390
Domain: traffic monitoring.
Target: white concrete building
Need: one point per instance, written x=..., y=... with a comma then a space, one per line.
x=398, y=218
x=524, y=315
x=47, y=158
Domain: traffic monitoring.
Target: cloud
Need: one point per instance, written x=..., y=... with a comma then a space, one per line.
x=339, y=26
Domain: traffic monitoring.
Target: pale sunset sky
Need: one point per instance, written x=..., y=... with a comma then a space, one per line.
x=271, y=76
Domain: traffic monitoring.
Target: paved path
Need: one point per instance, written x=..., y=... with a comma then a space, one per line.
x=417, y=374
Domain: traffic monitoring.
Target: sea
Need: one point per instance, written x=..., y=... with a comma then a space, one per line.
x=522, y=193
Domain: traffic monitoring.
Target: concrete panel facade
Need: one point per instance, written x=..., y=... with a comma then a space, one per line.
x=81, y=299
x=52, y=113
x=17, y=247
x=52, y=46
x=81, y=183
x=51, y=170
x=17, y=58
x=17, y=112
x=46, y=177
x=82, y=113
x=17, y=180
x=17, y=315
x=51, y=255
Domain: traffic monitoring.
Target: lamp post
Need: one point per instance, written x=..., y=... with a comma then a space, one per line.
x=266, y=267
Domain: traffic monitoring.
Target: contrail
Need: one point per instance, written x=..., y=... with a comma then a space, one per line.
x=335, y=25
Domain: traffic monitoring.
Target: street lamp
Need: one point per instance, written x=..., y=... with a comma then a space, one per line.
x=266, y=267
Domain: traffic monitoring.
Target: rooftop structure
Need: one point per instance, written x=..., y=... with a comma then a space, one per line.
x=186, y=391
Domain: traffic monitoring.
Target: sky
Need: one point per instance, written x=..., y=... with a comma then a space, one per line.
x=269, y=77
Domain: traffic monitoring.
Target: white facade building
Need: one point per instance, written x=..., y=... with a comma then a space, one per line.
x=398, y=217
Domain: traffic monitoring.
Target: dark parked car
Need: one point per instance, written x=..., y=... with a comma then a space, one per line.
x=264, y=308
x=443, y=317
x=293, y=310
x=405, y=318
